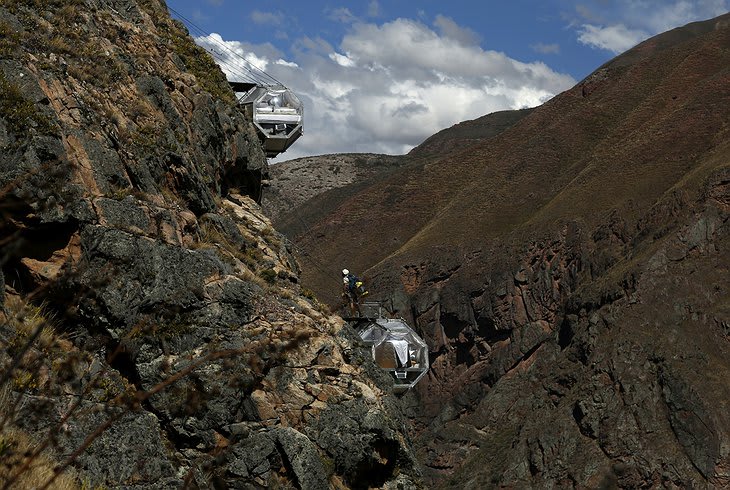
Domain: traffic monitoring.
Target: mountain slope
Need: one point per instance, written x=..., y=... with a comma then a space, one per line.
x=299, y=181
x=570, y=277
x=468, y=133
x=307, y=191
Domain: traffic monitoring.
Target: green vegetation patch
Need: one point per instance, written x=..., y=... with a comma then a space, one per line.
x=19, y=113
x=268, y=275
x=92, y=65
x=9, y=39
x=198, y=62
x=196, y=59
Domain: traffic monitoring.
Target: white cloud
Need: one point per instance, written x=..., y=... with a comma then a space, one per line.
x=318, y=45
x=546, y=48
x=342, y=60
x=282, y=62
x=270, y=18
x=342, y=15
x=387, y=87
x=448, y=28
x=229, y=55
x=373, y=9
x=616, y=38
x=587, y=14
x=667, y=15
x=618, y=25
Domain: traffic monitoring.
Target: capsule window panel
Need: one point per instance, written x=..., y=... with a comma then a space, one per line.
x=397, y=349
x=276, y=112
x=278, y=107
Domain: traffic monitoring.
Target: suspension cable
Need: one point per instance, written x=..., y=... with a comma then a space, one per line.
x=255, y=74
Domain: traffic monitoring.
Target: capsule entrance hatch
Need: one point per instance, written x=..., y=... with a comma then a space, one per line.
x=276, y=112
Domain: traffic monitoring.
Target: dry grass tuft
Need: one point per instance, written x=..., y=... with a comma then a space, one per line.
x=24, y=322
x=25, y=318
x=15, y=448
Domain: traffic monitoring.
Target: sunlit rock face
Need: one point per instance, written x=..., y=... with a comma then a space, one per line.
x=184, y=351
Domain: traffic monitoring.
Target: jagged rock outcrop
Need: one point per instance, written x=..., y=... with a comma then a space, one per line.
x=569, y=275
x=183, y=351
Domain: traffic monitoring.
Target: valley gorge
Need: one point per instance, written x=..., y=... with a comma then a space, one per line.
x=567, y=266
x=171, y=309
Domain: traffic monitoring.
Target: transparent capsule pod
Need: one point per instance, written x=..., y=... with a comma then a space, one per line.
x=277, y=114
x=397, y=349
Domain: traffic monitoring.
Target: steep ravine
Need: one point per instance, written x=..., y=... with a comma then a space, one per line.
x=570, y=274
x=611, y=364
x=154, y=331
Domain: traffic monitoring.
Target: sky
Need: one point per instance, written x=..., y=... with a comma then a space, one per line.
x=380, y=76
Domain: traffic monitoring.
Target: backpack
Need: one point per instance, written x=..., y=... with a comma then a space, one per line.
x=352, y=281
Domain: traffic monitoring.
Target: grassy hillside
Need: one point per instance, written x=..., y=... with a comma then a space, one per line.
x=645, y=123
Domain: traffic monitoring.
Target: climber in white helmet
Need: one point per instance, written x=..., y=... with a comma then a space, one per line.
x=353, y=290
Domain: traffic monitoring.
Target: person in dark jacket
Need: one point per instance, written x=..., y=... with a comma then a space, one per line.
x=353, y=290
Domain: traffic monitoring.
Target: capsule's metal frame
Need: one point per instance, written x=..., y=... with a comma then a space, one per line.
x=277, y=128
x=387, y=336
x=382, y=335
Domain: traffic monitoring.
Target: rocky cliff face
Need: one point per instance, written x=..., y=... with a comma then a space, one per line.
x=570, y=277
x=577, y=374
x=154, y=331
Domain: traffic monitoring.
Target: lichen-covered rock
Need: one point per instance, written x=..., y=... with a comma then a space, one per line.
x=304, y=459
x=131, y=451
x=130, y=183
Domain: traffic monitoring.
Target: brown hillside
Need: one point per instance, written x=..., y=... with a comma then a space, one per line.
x=621, y=138
x=295, y=182
x=570, y=276
x=307, y=191
x=468, y=133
